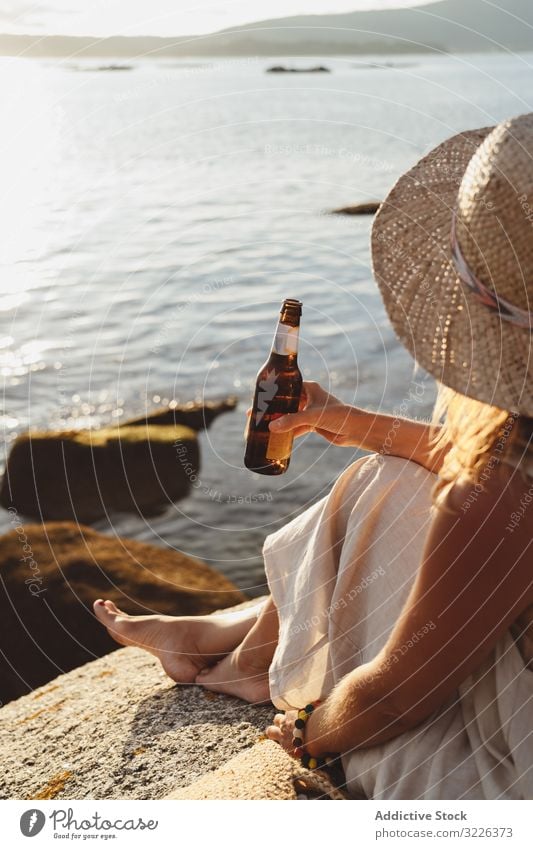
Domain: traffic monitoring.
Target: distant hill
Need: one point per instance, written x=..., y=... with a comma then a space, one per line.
x=449, y=25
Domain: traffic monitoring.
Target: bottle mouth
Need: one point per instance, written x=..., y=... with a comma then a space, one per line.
x=292, y=303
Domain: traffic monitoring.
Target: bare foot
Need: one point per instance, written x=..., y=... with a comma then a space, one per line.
x=183, y=644
x=238, y=674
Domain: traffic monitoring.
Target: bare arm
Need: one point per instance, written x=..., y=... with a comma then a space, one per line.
x=396, y=436
x=474, y=581
x=342, y=424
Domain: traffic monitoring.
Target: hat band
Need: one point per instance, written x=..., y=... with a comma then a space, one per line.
x=506, y=310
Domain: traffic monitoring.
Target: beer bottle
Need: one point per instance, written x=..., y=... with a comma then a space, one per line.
x=277, y=391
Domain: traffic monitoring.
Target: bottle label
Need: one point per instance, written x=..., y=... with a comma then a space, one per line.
x=266, y=392
x=285, y=339
x=279, y=446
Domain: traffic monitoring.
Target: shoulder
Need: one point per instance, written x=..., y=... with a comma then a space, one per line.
x=499, y=491
x=490, y=519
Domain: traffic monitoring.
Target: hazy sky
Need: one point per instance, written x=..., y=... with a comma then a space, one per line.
x=162, y=17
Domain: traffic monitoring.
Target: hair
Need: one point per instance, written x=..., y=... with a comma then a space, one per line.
x=476, y=437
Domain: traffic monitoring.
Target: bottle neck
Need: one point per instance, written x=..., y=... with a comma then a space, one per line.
x=285, y=342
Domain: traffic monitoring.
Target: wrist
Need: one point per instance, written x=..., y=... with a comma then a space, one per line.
x=318, y=732
x=366, y=429
x=391, y=434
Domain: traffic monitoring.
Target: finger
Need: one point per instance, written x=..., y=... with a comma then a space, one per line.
x=279, y=719
x=292, y=420
x=249, y=412
x=308, y=387
x=314, y=392
x=336, y=439
x=304, y=399
x=301, y=431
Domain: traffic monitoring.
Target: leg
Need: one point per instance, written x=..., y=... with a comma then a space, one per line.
x=183, y=644
x=247, y=670
x=244, y=672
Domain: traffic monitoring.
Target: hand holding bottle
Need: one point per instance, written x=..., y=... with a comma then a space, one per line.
x=344, y=425
x=323, y=413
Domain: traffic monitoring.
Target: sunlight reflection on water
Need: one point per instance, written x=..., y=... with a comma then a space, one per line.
x=153, y=220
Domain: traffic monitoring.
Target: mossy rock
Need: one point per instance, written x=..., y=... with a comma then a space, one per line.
x=195, y=414
x=85, y=474
x=49, y=577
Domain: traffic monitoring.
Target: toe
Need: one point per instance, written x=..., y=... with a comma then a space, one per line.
x=107, y=616
x=273, y=733
x=202, y=675
x=107, y=619
x=101, y=610
x=113, y=622
x=111, y=606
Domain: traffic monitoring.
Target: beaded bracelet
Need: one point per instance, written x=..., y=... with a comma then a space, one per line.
x=298, y=740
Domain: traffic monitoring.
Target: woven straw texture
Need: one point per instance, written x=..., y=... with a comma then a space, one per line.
x=487, y=176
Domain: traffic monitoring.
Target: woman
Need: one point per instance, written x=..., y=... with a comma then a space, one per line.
x=401, y=601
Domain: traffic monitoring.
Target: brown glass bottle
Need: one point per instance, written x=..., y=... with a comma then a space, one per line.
x=277, y=391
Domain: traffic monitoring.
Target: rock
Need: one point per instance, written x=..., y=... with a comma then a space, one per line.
x=50, y=575
x=369, y=208
x=194, y=415
x=84, y=474
x=283, y=69
x=139, y=466
x=264, y=771
x=118, y=728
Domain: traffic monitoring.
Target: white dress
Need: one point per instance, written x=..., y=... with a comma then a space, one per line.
x=339, y=574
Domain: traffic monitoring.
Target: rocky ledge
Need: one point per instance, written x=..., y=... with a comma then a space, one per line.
x=119, y=728
x=50, y=575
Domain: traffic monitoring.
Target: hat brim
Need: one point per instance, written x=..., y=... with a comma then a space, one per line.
x=460, y=341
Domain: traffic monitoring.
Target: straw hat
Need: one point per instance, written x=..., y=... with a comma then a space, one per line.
x=452, y=252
